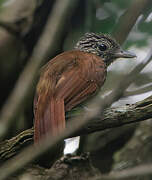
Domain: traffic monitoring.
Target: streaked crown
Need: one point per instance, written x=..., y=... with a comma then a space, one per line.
x=102, y=45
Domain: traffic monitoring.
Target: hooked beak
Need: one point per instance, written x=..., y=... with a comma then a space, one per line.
x=124, y=54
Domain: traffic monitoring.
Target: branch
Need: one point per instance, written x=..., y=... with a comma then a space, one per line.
x=128, y=19
x=66, y=168
x=140, y=170
x=113, y=117
x=146, y=89
x=129, y=78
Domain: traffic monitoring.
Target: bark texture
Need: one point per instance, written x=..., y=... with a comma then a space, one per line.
x=113, y=117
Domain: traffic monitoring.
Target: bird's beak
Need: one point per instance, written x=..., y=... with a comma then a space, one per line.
x=124, y=54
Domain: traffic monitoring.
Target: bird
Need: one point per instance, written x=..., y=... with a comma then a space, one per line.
x=71, y=78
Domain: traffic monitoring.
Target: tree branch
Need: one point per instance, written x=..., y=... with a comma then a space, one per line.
x=140, y=170
x=145, y=89
x=113, y=117
x=66, y=168
x=128, y=19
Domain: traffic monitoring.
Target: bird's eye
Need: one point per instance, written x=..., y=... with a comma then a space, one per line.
x=102, y=47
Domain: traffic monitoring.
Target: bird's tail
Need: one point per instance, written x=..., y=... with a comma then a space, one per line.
x=49, y=119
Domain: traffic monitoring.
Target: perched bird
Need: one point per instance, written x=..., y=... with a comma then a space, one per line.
x=71, y=78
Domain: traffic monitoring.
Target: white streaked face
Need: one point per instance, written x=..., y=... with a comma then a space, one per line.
x=102, y=45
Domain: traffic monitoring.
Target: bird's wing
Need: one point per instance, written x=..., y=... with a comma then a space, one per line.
x=66, y=81
x=81, y=80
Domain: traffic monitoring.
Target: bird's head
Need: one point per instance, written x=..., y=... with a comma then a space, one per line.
x=104, y=46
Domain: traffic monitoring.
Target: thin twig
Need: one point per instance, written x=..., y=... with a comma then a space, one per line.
x=146, y=89
x=140, y=170
x=128, y=78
